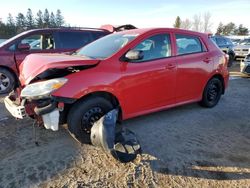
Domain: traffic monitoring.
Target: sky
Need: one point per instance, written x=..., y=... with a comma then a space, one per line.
x=141, y=13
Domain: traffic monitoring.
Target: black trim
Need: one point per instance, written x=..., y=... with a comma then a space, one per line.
x=46, y=109
x=64, y=100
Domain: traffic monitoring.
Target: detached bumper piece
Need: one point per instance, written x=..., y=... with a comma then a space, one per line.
x=50, y=115
x=15, y=110
x=122, y=145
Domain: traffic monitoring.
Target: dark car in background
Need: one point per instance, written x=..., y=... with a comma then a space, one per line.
x=14, y=50
x=226, y=45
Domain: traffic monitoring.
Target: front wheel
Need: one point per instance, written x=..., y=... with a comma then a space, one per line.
x=212, y=93
x=84, y=114
x=7, y=81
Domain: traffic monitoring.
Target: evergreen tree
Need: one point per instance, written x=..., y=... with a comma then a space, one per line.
x=220, y=29
x=59, y=18
x=10, y=26
x=20, y=23
x=46, y=19
x=10, y=20
x=229, y=29
x=30, y=23
x=177, y=23
x=39, y=19
x=52, y=20
x=241, y=30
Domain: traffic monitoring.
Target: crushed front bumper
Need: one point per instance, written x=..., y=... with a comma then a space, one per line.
x=15, y=110
x=48, y=112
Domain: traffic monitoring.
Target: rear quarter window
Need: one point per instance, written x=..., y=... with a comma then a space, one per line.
x=188, y=44
x=71, y=40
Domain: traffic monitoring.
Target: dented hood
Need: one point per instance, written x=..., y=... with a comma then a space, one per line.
x=35, y=64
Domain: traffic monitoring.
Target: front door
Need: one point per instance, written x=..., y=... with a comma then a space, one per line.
x=39, y=43
x=150, y=82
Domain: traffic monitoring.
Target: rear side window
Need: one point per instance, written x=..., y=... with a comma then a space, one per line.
x=73, y=39
x=188, y=44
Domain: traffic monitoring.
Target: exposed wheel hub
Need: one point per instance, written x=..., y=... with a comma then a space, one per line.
x=90, y=117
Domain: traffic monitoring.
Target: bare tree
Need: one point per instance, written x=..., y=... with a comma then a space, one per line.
x=206, y=22
x=186, y=24
x=197, y=23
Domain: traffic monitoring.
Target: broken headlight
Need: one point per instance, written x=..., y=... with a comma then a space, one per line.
x=42, y=89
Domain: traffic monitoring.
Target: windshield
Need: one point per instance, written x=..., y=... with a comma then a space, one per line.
x=245, y=42
x=106, y=46
x=12, y=39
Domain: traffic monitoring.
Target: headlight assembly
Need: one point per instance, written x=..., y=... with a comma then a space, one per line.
x=42, y=89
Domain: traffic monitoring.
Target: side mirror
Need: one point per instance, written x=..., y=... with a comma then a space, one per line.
x=23, y=47
x=134, y=55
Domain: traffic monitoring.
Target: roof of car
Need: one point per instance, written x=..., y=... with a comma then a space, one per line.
x=69, y=29
x=145, y=30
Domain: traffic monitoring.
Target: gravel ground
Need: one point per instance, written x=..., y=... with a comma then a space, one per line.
x=187, y=146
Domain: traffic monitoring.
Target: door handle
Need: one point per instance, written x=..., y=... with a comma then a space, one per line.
x=170, y=66
x=207, y=60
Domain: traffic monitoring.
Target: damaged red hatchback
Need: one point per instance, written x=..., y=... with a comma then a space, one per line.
x=138, y=71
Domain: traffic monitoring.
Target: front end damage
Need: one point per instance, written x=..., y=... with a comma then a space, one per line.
x=122, y=145
x=35, y=100
x=46, y=111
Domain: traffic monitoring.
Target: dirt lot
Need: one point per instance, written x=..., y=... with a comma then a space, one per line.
x=188, y=146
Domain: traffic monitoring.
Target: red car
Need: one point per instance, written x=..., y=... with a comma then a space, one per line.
x=138, y=71
x=14, y=50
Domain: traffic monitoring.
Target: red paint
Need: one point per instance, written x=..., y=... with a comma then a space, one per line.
x=140, y=87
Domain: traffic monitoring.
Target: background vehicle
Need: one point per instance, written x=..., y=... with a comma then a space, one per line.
x=235, y=41
x=138, y=71
x=226, y=45
x=14, y=50
x=243, y=48
x=245, y=65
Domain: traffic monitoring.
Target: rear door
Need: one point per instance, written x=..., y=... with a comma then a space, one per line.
x=73, y=40
x=193, y=67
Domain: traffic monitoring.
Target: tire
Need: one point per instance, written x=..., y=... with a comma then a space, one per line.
x=7, y=81
x=83, y=114
x=231, y=60
x=212, y=93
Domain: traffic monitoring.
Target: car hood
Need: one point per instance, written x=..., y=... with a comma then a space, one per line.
x=242, y=47
x=35, y=64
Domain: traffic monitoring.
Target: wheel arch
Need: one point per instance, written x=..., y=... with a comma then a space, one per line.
x=12, y=72
x=104, y=94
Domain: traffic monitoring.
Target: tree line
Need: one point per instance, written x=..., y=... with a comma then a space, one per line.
x=231, y=29
x=202, y=23
x=24, y=22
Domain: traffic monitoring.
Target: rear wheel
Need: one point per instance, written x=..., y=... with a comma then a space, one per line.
x=84, y=114
x=212, y=93
x=7, y=81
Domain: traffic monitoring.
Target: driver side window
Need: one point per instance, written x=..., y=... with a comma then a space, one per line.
x=155, y=47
